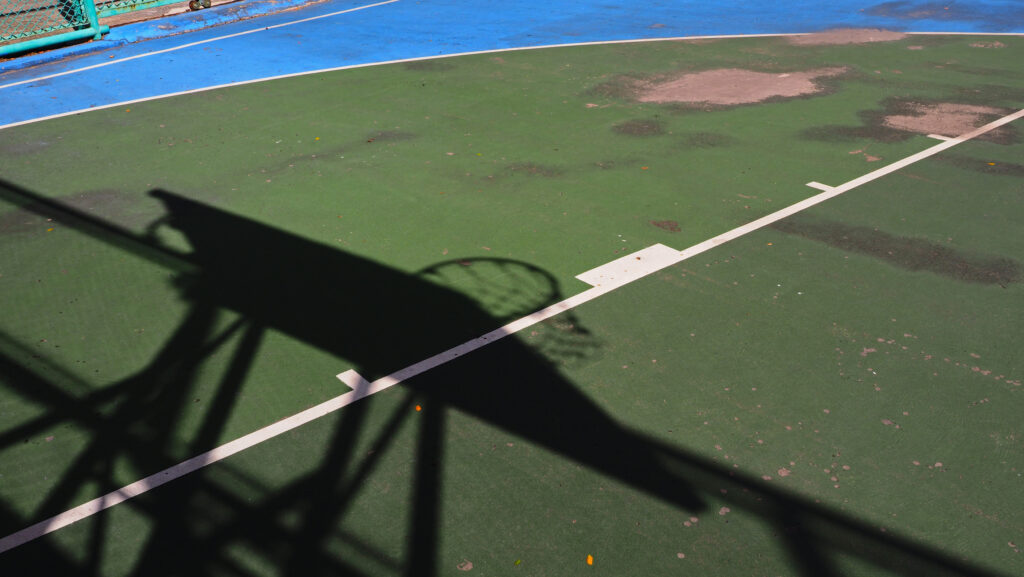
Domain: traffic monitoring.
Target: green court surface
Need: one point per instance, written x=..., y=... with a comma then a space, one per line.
x=836, y=393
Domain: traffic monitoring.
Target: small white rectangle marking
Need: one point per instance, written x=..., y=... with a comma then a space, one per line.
x=939, y=137
x=631, y=267
x=819, y=186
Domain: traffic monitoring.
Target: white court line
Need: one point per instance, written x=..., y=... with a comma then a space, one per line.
x=938, y=137
x=198, y=43
x=383, y=63
x=659, y=259
x=819, y=186
x=340, y=68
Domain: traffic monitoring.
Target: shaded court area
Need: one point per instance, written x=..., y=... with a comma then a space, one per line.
x=835, y=394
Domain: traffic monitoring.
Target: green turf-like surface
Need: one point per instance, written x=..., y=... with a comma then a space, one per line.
x=837, y=393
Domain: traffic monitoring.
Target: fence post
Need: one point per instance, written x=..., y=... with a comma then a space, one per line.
x=80, y=15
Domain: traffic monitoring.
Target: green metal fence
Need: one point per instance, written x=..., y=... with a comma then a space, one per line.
x=32, y=24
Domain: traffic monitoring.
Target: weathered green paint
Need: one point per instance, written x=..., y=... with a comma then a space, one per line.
x=793, y=353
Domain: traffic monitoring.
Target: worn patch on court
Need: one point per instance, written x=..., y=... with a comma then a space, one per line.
x=945, y=118
x=899, y=119
x=846, y=36
x=533, y=169
x=914, y=254
x=706, y=140
x=733, y=86
x=640, y=127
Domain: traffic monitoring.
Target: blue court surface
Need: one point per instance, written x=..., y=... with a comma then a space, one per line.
x=342, y=33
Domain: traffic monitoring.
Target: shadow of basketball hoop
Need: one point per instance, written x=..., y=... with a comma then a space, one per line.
x=509, y=290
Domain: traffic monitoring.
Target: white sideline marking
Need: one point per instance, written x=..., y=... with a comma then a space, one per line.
x=819, y=186
x=332, y=69
x=198, y=43
x=386, y=62
x=363, y=389
x=337, y=69
x=938, y=137
x=631, y=267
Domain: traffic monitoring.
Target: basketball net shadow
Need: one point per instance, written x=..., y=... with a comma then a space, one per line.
x=380, y=319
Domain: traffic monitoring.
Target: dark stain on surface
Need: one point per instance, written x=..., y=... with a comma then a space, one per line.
x=533, y=169
x=872, y=127
x=873, y=124
x=994, y=18
x=640, y=127
x=389, y=136
x=669, y=225
x=619, y=88
x=994, y=167
x=914, y=254
x=706, y=140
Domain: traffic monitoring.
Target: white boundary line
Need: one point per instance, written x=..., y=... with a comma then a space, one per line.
x=620, y=276
x=370, y=64
x=333, y=69
x=191, y=44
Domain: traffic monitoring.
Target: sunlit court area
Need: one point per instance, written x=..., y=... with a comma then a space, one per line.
x=439, y=287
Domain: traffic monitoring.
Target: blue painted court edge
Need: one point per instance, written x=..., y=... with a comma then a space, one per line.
x=411, y=29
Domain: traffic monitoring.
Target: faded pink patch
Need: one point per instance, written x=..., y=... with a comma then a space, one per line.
x=784, y=472
x=866, y=351
x=724, y=510
x=887, y=422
